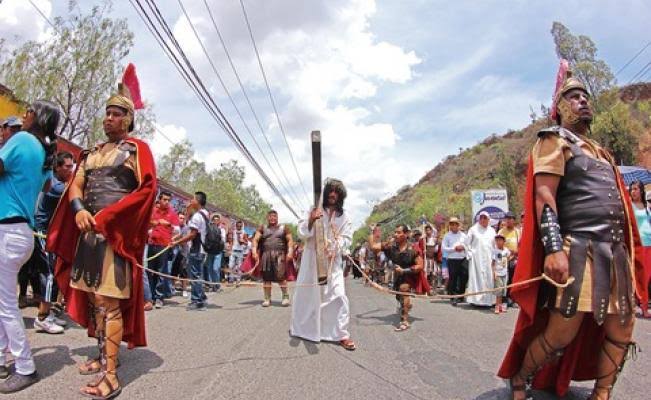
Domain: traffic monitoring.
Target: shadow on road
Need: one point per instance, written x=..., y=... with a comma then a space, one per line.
x=50, y=359
x=133, y=363
x=311, y=347
x=389, y=319
x=575, y=393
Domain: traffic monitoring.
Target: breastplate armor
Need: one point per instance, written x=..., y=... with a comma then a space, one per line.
x=107, y=185
x=588, y=199
x=273, y=239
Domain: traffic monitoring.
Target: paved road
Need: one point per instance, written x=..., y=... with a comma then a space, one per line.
x=238, y=350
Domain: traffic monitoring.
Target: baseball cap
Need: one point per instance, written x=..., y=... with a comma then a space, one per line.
x=13, y=121
x=499, y=236
x=509, y=214
x=454, y=220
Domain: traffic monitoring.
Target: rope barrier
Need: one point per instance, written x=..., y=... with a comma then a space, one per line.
x=365, y=276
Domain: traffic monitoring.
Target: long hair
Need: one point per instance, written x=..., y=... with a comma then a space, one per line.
x=340, y=189
x=642, y=192
x=46, y=121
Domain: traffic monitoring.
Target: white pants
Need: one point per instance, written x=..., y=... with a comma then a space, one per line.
x=16, y=245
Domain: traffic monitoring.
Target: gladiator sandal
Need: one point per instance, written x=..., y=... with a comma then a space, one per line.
x=526, y=374
x=111, y=336
x=604, y=384
x=93, y=366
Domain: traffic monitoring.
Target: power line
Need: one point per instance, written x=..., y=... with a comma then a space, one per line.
x=273, y=103
x=228, y=94
x=206, y=98
x=43, y=15
x=246, y=96
x=189, y=74
x=633, y=58
x=641, y=72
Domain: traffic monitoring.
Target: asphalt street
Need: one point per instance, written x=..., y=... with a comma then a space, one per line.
x=239, y=350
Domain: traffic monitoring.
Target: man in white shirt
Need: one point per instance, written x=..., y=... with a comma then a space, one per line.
x=454, y=246
x=198, y=224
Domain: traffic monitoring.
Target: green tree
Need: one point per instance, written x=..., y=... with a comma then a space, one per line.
x=581, y=52
x=77, y=68
x=224, y=185
x=617, y=129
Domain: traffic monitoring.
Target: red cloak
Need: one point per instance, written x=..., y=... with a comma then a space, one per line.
x=124, y=224
x=580, y=358
x=418, y=282
x=248, y=265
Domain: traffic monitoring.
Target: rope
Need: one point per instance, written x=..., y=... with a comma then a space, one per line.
x=374, y=285
x=382, y=289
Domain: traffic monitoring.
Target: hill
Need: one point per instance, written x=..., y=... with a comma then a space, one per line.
x=500, y=161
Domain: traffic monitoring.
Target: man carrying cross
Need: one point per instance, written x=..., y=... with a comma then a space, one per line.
x=322, y=312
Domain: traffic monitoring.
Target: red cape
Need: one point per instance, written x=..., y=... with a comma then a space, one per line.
x=643, y=253
x=419, y=282
x=247, y=265
x=579, y=361
x=124, y=224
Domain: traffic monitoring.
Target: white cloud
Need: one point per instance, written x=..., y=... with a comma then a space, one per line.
x=438, y=83
x=20, y=22
x=160, y=145
x=317, y=59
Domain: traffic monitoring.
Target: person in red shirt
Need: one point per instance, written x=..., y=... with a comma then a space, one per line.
x=163, y=221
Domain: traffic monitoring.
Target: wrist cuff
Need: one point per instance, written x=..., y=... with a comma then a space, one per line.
x=550, y=231
x=76, y=205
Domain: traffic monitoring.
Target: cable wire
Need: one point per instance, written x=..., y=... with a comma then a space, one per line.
x=273, y=103
x=633, y=58
x=230, y=97
x=189, y=74
x=244, y=92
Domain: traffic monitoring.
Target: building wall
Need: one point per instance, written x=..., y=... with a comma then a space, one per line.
x=9, y=105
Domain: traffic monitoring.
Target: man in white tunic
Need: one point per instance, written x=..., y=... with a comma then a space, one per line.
x=479, y=244
x=322, y=312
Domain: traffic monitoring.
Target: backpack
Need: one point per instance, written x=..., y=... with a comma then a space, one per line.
x=214, y=243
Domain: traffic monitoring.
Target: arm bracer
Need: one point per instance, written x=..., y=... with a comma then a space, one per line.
x=550, y=231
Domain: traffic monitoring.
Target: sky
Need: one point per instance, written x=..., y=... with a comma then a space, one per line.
x=394, y=86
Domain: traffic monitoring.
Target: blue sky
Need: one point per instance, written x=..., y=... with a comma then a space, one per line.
x=395, y=86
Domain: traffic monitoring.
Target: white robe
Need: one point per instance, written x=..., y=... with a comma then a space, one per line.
x=322, y=312
x=480, y=243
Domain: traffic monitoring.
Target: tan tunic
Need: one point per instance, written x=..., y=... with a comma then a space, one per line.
x=103, y=156
x=549, y=156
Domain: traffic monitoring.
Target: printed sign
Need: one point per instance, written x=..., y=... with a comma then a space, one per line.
x=494, y=201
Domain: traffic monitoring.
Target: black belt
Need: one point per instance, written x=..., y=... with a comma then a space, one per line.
x=13, y=220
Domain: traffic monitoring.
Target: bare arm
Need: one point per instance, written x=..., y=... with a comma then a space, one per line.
x=419, y=264
x=192, y=233
x=254, y=246
x=290, y=244
x=556, y=264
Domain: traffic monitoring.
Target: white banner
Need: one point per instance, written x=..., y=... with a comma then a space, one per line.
x=494, y=201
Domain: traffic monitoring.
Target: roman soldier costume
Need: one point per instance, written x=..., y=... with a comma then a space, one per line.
x=594, y=227
x=119, y=191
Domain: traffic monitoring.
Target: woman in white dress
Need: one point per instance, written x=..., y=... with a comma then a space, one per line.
x=479, y=245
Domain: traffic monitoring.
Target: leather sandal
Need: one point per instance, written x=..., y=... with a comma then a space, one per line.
x=402, y=327
x=96, y=393
x=347, y=344
x=521, y=388
x=87, y=367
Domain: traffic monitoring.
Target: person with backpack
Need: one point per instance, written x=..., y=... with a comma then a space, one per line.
x=198, y=226
x=214, y=246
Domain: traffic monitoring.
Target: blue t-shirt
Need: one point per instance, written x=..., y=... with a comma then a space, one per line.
x=23, y=178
